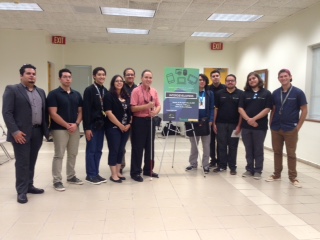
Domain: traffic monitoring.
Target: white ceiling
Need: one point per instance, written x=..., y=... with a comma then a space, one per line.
x=173, y=24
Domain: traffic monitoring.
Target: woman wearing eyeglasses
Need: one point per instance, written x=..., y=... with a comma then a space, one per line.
x=117, y=109
x=254, y=107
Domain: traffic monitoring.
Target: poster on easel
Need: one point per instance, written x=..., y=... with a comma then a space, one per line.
x=181, y=94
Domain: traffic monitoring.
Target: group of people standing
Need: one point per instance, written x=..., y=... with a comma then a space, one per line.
x=125, y=110
x=246, y=112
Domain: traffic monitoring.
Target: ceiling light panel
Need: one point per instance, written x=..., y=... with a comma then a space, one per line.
x=211, y=34
x=129, y=12
x=20, y=6
x=127, y=31
x=234, y=17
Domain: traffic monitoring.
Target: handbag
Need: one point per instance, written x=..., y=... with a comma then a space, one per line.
x=201, y=128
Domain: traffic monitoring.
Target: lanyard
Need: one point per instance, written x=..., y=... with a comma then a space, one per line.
x=284, y=100
x=101, y=98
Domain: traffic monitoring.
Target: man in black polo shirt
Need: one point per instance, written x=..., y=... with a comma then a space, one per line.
x=129, y=75
x=65, y=109
x=254, y=106
x=227, y=119
x=214, y=87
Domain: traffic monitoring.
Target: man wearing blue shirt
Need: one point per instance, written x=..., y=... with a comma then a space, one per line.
x=286, y=122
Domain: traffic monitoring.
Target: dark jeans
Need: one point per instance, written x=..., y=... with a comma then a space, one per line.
x=117, y=141
x=253, y=141
x=141, y=141
x=26, y=157
x=227, y=145
x=94, y=152
x=214, y=155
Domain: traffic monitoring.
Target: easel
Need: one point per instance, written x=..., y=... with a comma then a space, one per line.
x=174, y=146
x=2, y=141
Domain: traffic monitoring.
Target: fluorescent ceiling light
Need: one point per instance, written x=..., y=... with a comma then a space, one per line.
x=20, y=6
x=234, y=17
x=127, y=31
x=211, y=34
x=128, y=12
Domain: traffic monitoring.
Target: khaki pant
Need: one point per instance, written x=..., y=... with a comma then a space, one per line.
x=290, y=139
x=63, y=140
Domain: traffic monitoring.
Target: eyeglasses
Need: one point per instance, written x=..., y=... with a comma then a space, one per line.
x=231, y=81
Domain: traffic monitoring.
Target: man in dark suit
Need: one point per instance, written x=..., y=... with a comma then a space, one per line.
x=24, y=112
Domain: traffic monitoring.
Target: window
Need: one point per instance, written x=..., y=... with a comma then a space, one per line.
x=314, y=109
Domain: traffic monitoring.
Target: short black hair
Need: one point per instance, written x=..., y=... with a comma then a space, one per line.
x=97, y=69
x=127, y=69
x=214, y=71
x=231, y=75
x=24, y=66
x=64, y=70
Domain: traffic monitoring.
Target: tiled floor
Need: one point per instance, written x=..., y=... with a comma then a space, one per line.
x=178, y=205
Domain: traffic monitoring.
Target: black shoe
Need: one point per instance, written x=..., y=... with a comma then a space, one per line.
x=206, y=170
x=233, y=172
x=102, y=179
x=32, y=189
x=152, y=174
x=22, y=198
x=93, y=180
x=137, y=178
x=116, y=181
x=213, y=164
x=122, y=178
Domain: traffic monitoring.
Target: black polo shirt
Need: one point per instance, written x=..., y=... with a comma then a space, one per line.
x=227, y=105
x=129, y=89
x=67, y=105
x=253, y=103
x=215, y=89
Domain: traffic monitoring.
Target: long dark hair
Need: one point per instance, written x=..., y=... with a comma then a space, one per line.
x=260, y=84
x=206, y=79
x=113, y=90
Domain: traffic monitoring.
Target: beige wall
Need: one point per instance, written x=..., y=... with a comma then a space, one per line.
x=286, y=45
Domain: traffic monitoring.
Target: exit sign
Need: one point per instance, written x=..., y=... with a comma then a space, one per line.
x=216, y=46
x=58, y=40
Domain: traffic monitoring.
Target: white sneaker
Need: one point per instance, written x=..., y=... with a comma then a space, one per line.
x=272, y=178
x=296, y=184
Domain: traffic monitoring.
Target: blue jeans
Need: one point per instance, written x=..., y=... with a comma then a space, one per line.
x=253, y=141
x=94, y=152
x=117, y=141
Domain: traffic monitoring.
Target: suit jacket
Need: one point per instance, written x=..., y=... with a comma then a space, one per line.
x=17, y=112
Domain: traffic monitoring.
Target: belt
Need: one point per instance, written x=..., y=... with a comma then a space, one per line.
x=36, y=125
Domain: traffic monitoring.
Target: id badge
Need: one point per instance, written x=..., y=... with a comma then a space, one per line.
x=202, y=103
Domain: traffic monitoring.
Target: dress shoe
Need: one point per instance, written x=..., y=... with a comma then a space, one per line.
x=22, y=198
x=137, y=178
x=122, y=178
x=34, y=190
x=152, y=174
x=116, y=181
